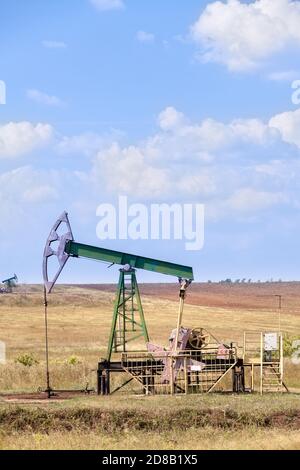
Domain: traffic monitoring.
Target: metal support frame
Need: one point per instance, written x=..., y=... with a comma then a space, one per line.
x=188, y=372
x=128, y=322
x=271, y=367
x=238, y=378
x=184, y=284
x=267, y=362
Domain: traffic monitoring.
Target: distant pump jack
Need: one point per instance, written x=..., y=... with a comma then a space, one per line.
x=9, y=284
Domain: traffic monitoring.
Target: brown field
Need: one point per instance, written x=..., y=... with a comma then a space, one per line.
x=79, y=324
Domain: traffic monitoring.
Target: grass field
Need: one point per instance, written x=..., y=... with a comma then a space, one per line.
x=79, y=324
x=209, y=422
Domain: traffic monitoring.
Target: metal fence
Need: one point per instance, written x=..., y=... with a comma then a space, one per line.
x=181, y=372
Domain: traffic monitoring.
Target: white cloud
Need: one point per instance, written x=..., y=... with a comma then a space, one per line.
x=170, y=119
x=28, y=194
x=203, y=183
x=279, y=170
x=19, y=138
x=105, y=5
x=284, y=76
x=249, y=200
x=288, y=124
x=24, y=187
x=88, y=143
x=231, y=167
x=128, y=171
x=243, y=36
x=40, y=193
x=143, y=36
x=54, y=44
x=241, y=167
x=208, y=136
x=43, y=98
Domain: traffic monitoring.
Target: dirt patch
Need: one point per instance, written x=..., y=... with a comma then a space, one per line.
x=220, y=295
x=242, y=295
x=39, y=397
x=284, y=420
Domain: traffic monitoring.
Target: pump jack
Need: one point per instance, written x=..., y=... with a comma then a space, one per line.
x=128, y=322
x=9, y=284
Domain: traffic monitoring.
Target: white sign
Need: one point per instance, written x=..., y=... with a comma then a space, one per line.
x=196, y=368
x=271, y=342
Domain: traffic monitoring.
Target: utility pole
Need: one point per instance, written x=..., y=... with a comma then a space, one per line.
x=279, y=310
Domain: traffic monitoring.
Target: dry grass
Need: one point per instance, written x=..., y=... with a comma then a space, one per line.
x=79, y=325
x=205, y=439
x=208, y=422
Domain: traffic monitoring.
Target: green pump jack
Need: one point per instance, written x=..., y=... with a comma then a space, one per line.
x=128, y=323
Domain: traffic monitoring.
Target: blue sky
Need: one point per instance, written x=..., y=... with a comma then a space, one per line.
x=178, y=102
